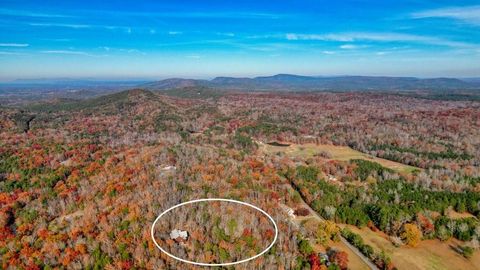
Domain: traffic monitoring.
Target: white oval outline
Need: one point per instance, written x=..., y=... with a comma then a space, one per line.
x=214, y=264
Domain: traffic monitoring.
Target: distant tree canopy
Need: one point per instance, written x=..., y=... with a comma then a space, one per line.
x=366, y=168
x=396, y=201
x=448, y=154
x=266, y=129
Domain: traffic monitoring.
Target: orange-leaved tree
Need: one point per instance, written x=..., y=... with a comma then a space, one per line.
x=411, y=234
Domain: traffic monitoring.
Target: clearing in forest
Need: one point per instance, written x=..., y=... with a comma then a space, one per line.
x=429, y=254
x=343, y=153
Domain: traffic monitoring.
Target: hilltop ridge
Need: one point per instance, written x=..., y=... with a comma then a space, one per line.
x=290, y=82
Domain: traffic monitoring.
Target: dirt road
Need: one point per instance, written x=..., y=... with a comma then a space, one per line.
x=344, y=241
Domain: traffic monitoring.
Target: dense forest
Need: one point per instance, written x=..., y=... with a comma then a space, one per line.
x=82, y=181
x=238, y=232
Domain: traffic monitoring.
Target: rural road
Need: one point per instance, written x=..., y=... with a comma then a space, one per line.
x=359, y=254
x=344, y=241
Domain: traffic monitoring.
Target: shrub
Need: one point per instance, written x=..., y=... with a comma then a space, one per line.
x=302, y=212
x=467, y=251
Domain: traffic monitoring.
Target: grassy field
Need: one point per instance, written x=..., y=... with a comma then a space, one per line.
x=354, y=262
x=455, y=215
x=336, y=152
x=430, y=254
x=310, y=224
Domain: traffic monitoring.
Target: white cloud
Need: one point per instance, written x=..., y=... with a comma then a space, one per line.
x=121, y=50
x=226, y=34
x=328, y=52
x=324, y=37
x=14, y=44
x=206, y=14
x=349, y=47
x=377, y=37
x=68, y=52
x=83, y=26
x=175, y=33
x=469, y=14
x=131, y=51
x=355, y=36
x=75, y=26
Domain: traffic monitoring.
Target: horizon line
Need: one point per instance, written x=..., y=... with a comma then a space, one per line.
x=160, y=78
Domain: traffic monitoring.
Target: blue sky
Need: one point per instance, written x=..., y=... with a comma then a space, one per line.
x=204, y=39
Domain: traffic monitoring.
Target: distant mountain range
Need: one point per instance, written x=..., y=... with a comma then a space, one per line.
x=288, y=82
x=280, y=82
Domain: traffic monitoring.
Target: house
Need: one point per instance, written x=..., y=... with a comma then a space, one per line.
x=178, y=235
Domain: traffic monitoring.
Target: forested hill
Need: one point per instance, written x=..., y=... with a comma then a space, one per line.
x=31, y=91
x=287, y=82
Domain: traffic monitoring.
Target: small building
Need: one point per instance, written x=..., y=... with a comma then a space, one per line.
x=179, y=235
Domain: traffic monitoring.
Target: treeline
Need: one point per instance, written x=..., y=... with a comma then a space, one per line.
x=412, y=199
x=266, y=129
x=448, y=154
x=380, y=259
x=389, y=204
x=464, y=229
x=366, y=168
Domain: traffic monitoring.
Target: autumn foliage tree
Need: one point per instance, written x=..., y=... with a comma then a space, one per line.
x=411, y=234
x=315, y=263
x=339, y=258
